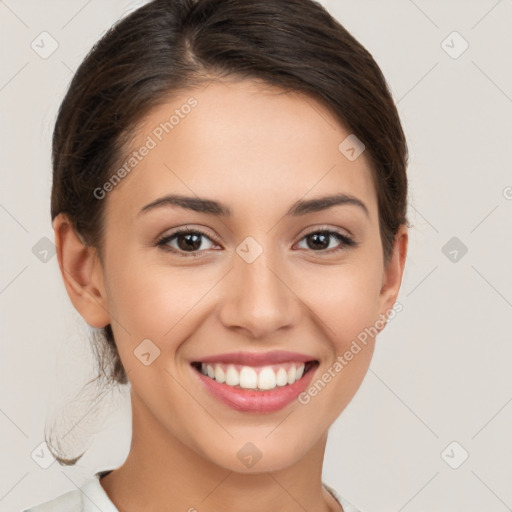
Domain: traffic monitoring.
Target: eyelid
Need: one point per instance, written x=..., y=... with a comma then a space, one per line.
x=344, y=232
x=187, y=229
x=346, y=240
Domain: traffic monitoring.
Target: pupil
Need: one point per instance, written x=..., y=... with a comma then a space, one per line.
x=193, y=241
x=323, y=238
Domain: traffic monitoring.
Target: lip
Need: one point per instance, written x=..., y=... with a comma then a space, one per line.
x=257, y=358
x=248, y=400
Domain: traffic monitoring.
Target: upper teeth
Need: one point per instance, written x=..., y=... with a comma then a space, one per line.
x=249, y=377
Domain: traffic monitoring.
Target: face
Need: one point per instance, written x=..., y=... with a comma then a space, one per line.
x=260, y=268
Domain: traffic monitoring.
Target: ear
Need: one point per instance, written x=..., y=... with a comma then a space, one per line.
x=82, y=273
x=392, y=278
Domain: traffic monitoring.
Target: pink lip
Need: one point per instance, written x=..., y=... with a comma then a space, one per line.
x=257, y=358
x=248, y=400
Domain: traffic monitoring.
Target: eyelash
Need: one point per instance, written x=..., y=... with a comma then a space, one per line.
x=163, y=241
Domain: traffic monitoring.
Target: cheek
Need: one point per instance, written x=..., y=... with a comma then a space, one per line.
x=154, y=301
x=151, y=301
x=346, y=303
x=344, y=298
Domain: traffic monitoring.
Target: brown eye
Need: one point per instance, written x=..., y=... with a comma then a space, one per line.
x=185, y=241
x=189, y=242
x=327, y=241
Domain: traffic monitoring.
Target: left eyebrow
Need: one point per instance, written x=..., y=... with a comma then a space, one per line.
x=322, y=203
x=212, y=207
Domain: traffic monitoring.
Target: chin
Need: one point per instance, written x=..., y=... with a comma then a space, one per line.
x=259, y=454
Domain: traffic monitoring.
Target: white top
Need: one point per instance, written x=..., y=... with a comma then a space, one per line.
x=91, y=497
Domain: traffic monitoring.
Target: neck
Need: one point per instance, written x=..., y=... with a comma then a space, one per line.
x=162, y=473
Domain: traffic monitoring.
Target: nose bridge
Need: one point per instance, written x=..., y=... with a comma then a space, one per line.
x=258, y=298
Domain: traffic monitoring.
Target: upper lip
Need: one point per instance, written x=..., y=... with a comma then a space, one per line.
x=256, y=358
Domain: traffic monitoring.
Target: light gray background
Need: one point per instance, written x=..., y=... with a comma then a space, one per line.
x=441, y=370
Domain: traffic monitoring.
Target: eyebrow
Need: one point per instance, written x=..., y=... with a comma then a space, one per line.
x=212, y=207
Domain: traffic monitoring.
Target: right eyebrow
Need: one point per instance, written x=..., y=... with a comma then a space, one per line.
x=196, y=204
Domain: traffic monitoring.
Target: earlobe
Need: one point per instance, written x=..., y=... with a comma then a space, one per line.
x=81, y=272
x=392, y=278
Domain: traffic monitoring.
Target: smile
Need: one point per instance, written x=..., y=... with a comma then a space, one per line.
x=262, y=378
x=255, y=382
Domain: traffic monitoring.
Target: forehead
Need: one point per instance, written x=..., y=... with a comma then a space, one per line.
x=246, y=144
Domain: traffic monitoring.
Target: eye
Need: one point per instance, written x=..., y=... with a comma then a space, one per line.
x=185, y=241
x=320, y=241
x=190, y=241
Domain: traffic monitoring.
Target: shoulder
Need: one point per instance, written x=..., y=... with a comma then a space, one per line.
x=347, y=506
x=90, y=497
x=68, y=502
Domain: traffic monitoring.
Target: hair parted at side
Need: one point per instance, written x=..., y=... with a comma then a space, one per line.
x=167, y=46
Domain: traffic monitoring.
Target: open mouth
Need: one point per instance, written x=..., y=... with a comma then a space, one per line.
x=256, y=378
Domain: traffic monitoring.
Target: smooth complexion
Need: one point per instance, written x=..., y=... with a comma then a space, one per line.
x=257, y=151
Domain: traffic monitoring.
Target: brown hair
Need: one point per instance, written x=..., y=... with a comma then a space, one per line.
x=167, y=46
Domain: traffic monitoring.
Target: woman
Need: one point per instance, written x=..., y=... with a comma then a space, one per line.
x=229, y=207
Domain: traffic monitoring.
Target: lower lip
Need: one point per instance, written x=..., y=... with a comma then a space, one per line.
x=249, y=400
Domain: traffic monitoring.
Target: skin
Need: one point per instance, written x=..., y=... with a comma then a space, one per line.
x=258, y=150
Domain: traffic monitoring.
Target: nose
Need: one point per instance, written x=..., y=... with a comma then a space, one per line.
x=258, y=298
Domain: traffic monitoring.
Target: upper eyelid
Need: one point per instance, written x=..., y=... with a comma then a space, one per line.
x=200, y=231
x=340, y=231
x=181, y=231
